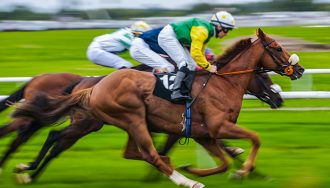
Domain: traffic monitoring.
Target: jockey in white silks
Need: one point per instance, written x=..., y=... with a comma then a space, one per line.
x=103, y=49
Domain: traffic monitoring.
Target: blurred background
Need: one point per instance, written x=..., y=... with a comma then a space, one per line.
x=52, y=36
x=74, y=14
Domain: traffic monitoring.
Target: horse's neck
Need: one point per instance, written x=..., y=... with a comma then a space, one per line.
x=247, y=60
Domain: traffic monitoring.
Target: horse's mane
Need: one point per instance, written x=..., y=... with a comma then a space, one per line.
x=233, y=51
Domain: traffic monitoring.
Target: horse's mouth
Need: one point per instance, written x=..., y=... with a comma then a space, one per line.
x=297, y=73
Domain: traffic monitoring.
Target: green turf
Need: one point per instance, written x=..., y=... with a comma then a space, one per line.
x=295, y=144
x=294, y=152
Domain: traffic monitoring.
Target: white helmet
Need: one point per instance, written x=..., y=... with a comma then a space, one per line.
x=140, y=27
x=224, y=19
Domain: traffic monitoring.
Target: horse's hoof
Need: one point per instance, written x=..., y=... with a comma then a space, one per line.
x=198, y=185
x=237, y=176
x=23, y=178
x=21, y=168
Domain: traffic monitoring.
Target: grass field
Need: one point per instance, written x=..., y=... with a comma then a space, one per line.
x=295, y=144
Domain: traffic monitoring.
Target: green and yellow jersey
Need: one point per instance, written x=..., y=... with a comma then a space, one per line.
x=195, y=33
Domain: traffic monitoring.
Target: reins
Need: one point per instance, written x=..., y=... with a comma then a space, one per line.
x=235, y=72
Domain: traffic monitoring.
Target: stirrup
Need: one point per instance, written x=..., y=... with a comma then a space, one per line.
x=177, y=96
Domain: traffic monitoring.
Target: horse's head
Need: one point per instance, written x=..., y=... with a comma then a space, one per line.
x=264, y=89
x=278, y=59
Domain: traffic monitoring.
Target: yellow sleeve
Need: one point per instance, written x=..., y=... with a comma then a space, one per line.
x=198, y=35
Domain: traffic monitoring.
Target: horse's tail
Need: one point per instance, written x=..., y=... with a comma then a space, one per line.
x=12, y=98
x=50, y=110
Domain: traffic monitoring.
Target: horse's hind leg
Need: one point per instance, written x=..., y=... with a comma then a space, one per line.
x=23, y=135
x=233, y=131
x=4, y=130
x=18, y=123
x=66, y=138
x=52, y=137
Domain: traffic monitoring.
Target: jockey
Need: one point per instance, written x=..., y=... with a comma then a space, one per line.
x=145, y=49
x=195, y=33
x=104, y=49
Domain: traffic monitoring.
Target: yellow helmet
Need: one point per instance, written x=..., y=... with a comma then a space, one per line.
x=140, y=27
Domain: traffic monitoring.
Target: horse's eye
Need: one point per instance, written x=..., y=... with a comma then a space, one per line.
x=279, y=49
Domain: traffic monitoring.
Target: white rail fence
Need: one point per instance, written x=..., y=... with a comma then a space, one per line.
x=285, y=95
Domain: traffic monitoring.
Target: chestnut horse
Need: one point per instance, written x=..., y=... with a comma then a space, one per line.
x=65, y=83
x=59, y=141
x=125, y=100
x=259, y=86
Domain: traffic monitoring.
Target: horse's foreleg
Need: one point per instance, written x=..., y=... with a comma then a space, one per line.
x=131, y=150
x=143, y=140
x=170, y=141
x=233, y=131
x=212, y=147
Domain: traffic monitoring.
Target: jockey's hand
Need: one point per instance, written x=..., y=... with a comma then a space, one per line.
x=213, y=69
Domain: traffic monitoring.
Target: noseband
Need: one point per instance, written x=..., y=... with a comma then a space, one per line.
x=284, y=69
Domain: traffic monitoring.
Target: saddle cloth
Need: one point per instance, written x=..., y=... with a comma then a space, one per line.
x=163, y=89
x=164, y=86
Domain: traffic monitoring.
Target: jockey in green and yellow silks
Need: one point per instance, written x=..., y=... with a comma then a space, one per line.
x=195, y=33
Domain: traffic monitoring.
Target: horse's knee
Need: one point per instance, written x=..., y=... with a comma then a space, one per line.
x=255, y=140
x=154, y=158
x=166, y=160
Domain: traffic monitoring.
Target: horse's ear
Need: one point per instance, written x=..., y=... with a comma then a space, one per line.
x=260, y=33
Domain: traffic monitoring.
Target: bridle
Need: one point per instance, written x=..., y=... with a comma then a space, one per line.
x=283, y=70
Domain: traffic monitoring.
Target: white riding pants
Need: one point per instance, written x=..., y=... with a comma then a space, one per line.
x=140, y=51
x=169, y=43
x=97, y=55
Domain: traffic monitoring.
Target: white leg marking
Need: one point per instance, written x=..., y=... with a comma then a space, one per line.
x=181, y=180
x=23, y=178
x=21, y=167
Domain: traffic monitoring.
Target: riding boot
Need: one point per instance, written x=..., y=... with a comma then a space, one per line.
x=187, y=83
x=177, y=95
